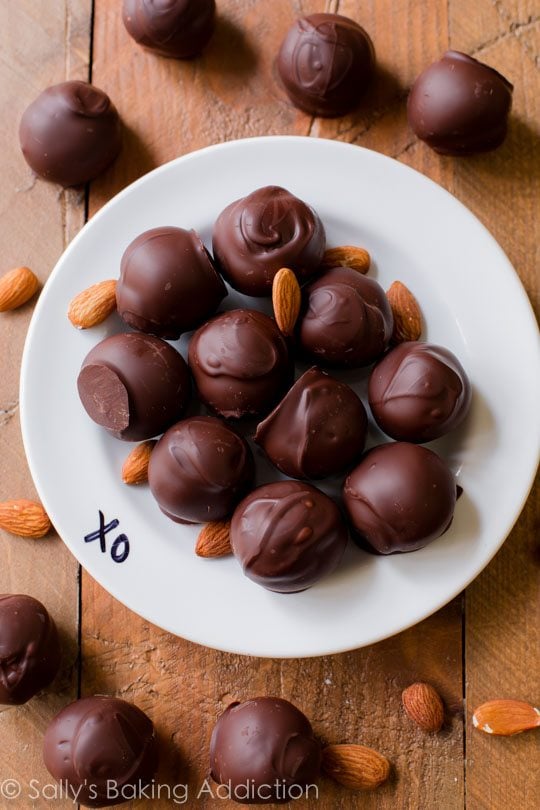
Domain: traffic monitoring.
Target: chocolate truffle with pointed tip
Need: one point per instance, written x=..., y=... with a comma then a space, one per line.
x=134, y=385
x=70, y=133
x=265, y=749
x=460, y=106
x=419, y=392
x=98, y=746
x=256, y=236
x=168, y=283
x=401, y=497
x=318, y=429
x=176, y=28
x=326, y=62
x=29, y=648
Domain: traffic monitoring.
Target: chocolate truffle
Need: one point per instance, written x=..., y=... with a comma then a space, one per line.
x=317, y=430
x=29, y=648
x=70, y=133
x=257, y=235
x=177, y=28
x=400, y=497
x=134, y=385
x=419, y=392
x=199, y=470
x=240, y=363
x=168, y=283
x=346, y=320
x=265, y=750
x=99, y=746
x=460, y=106
x=326, y=63
x=287, y=535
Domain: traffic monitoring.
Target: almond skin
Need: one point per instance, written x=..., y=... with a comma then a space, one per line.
x=355, y=766
x=24, y=518
x=214, y=539
x=423, y=704
x=286, y=300
x=506, y=717
x=406, y=312
x=17, y=287
x=135, y=467
x=93, y=305
x=347, y=256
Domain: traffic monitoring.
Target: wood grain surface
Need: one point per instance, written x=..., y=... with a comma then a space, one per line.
x=482, y=645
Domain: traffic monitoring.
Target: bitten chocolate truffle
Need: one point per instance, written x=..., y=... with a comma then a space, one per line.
x=326, y=62
x=258, y=235
x=419, y=392
x=460, y=106
x=400, y=497
x=287, y=535
x=168, y=283
x=346, y=320
x=240, y=363
x=265, y=750
x=177, y=28
x=99, y=746
x=29, y=648
x=317, y=430
x=134, y=385
x=70, y=133
x=199, y=470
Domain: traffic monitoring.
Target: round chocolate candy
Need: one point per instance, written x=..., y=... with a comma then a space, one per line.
x=346, y=321
x=287, y=535
x=265, y=751
x=199, y=470
x=168, y=283
x=102, y=749
x=257, y=235
x=240, y=363
x=70, y=133
x=419, y=392
x=29, y=648
x=400, y=497
x=134, y=385
x=318, y=429
x=326, y=62
x=460, y=106
x=177, y=28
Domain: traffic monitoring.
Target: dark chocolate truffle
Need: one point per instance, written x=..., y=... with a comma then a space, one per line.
x=257, y=235
x=460, y=106
x=134, y=385
x=287, y=535
x=100, y=746
x=70, y=133
x=240, y=363
x=177, y=28
x=346, y=320
x=199, y=470
x=29, y=648
x=400, y=497
x=265, y=750
x=419, y=392
x=326, y=63
x=168, y=283
x=317, y=430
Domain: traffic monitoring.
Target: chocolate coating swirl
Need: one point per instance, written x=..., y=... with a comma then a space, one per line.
x=177, y=28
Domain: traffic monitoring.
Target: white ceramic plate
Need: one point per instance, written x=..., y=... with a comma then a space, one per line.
x=473, y=303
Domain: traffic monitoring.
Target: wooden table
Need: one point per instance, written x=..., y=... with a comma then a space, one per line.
x=485, y=643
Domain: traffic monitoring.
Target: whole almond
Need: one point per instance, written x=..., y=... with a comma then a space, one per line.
x=17, y=287
x=93, y=305
x=286, y=300
x=506, y=717
x=347, y=256
x=423, y=704
x=24, y=518
x=214, y=539
x=135, y=467
x=406, y=312
x=355, y=766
